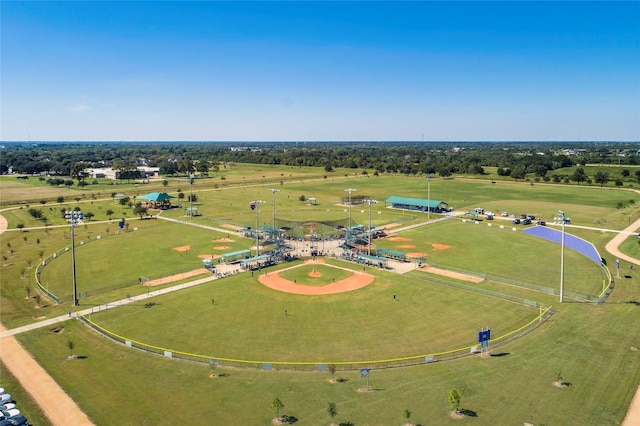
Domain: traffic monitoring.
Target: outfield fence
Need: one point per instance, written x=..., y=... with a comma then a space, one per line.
x=607, y=284
x=214, y=361
x=80, y=241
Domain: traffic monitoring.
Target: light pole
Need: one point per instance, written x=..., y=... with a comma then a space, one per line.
x=256, y=205
x=370, y=202
x=75, y=216
x=191, y=176
x=273, y=193
x=428, y=196
x=350, y=190
x=561, y=214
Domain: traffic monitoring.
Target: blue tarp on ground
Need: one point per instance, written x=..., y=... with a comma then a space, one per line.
x=571, y=241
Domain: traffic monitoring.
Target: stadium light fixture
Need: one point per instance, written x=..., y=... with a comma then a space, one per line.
x=350, y=190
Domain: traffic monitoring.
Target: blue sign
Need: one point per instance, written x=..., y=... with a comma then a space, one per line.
x=364, y=372
x=484, y=335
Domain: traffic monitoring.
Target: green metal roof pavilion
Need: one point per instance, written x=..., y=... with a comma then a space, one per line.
x=417, y=202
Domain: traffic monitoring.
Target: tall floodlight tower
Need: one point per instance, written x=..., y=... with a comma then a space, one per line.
x=370, y=202
x=428, y=195
x=255, y=205
x=562, y=218
x=75, y=217
x=350, y=190
x=273, y=194
x=191, y=177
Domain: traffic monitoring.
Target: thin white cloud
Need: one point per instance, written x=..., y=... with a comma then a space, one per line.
x=79, y=108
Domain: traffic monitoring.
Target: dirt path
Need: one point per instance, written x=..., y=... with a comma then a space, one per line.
x=59, y=408
x=276, y=282
x=633, y=415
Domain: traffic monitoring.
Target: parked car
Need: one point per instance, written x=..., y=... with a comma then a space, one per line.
x=541, y=223
x=526, y=221
x=504, y=214
x=10, y=413
x=516, y=221
x=7, y=406
x=18, y=420
x=523, y=216
x=5, y=397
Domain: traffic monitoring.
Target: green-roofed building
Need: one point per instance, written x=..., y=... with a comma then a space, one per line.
x=419, y=204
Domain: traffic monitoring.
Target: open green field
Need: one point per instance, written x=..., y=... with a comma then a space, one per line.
x=593, y=346
x=247, y=321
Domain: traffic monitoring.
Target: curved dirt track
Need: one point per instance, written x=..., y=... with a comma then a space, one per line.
x=355, y=282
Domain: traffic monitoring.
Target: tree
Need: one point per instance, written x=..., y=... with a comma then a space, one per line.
x=165, y=182
x=89, y=215
x=579, y=175
x=60, y=199
x=28, y=290
x=124, y=201
x=140, y=211
x=203, y=167
x=277, y=405
x=625, y=173
x=20, y=226
x=454, y=400
x=332, y=370
x=302, y=198
x=38, y=300
x=193, y=198
x=109, y=213
x=407, y=415
x=518, y=172
x=71, y=346
x=601, y=177
x=332, y=410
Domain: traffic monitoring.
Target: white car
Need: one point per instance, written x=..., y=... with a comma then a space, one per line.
x=7, y=406
x=10, y=413
x=5, y=397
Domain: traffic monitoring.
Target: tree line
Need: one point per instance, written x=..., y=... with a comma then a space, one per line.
x=410, y=158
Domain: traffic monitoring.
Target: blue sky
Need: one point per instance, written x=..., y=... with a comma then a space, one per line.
x=307, y=71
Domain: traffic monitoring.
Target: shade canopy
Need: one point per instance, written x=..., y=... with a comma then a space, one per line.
x=156, y=196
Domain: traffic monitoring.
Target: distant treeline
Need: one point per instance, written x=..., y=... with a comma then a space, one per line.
x=410, y=158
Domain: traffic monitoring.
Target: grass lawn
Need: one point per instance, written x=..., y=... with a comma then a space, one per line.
x=594, y=347
x=247, y=321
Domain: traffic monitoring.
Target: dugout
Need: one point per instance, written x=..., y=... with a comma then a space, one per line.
x=235, y=256
x=256, y=262
x=416, y=204
x=392, y=254
x=368, y=259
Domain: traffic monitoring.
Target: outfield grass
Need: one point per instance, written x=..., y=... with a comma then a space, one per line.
x=593, y=346
x=247, y=321
x=120, y=260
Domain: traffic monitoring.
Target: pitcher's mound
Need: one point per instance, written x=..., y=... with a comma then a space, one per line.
x=182, y=248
